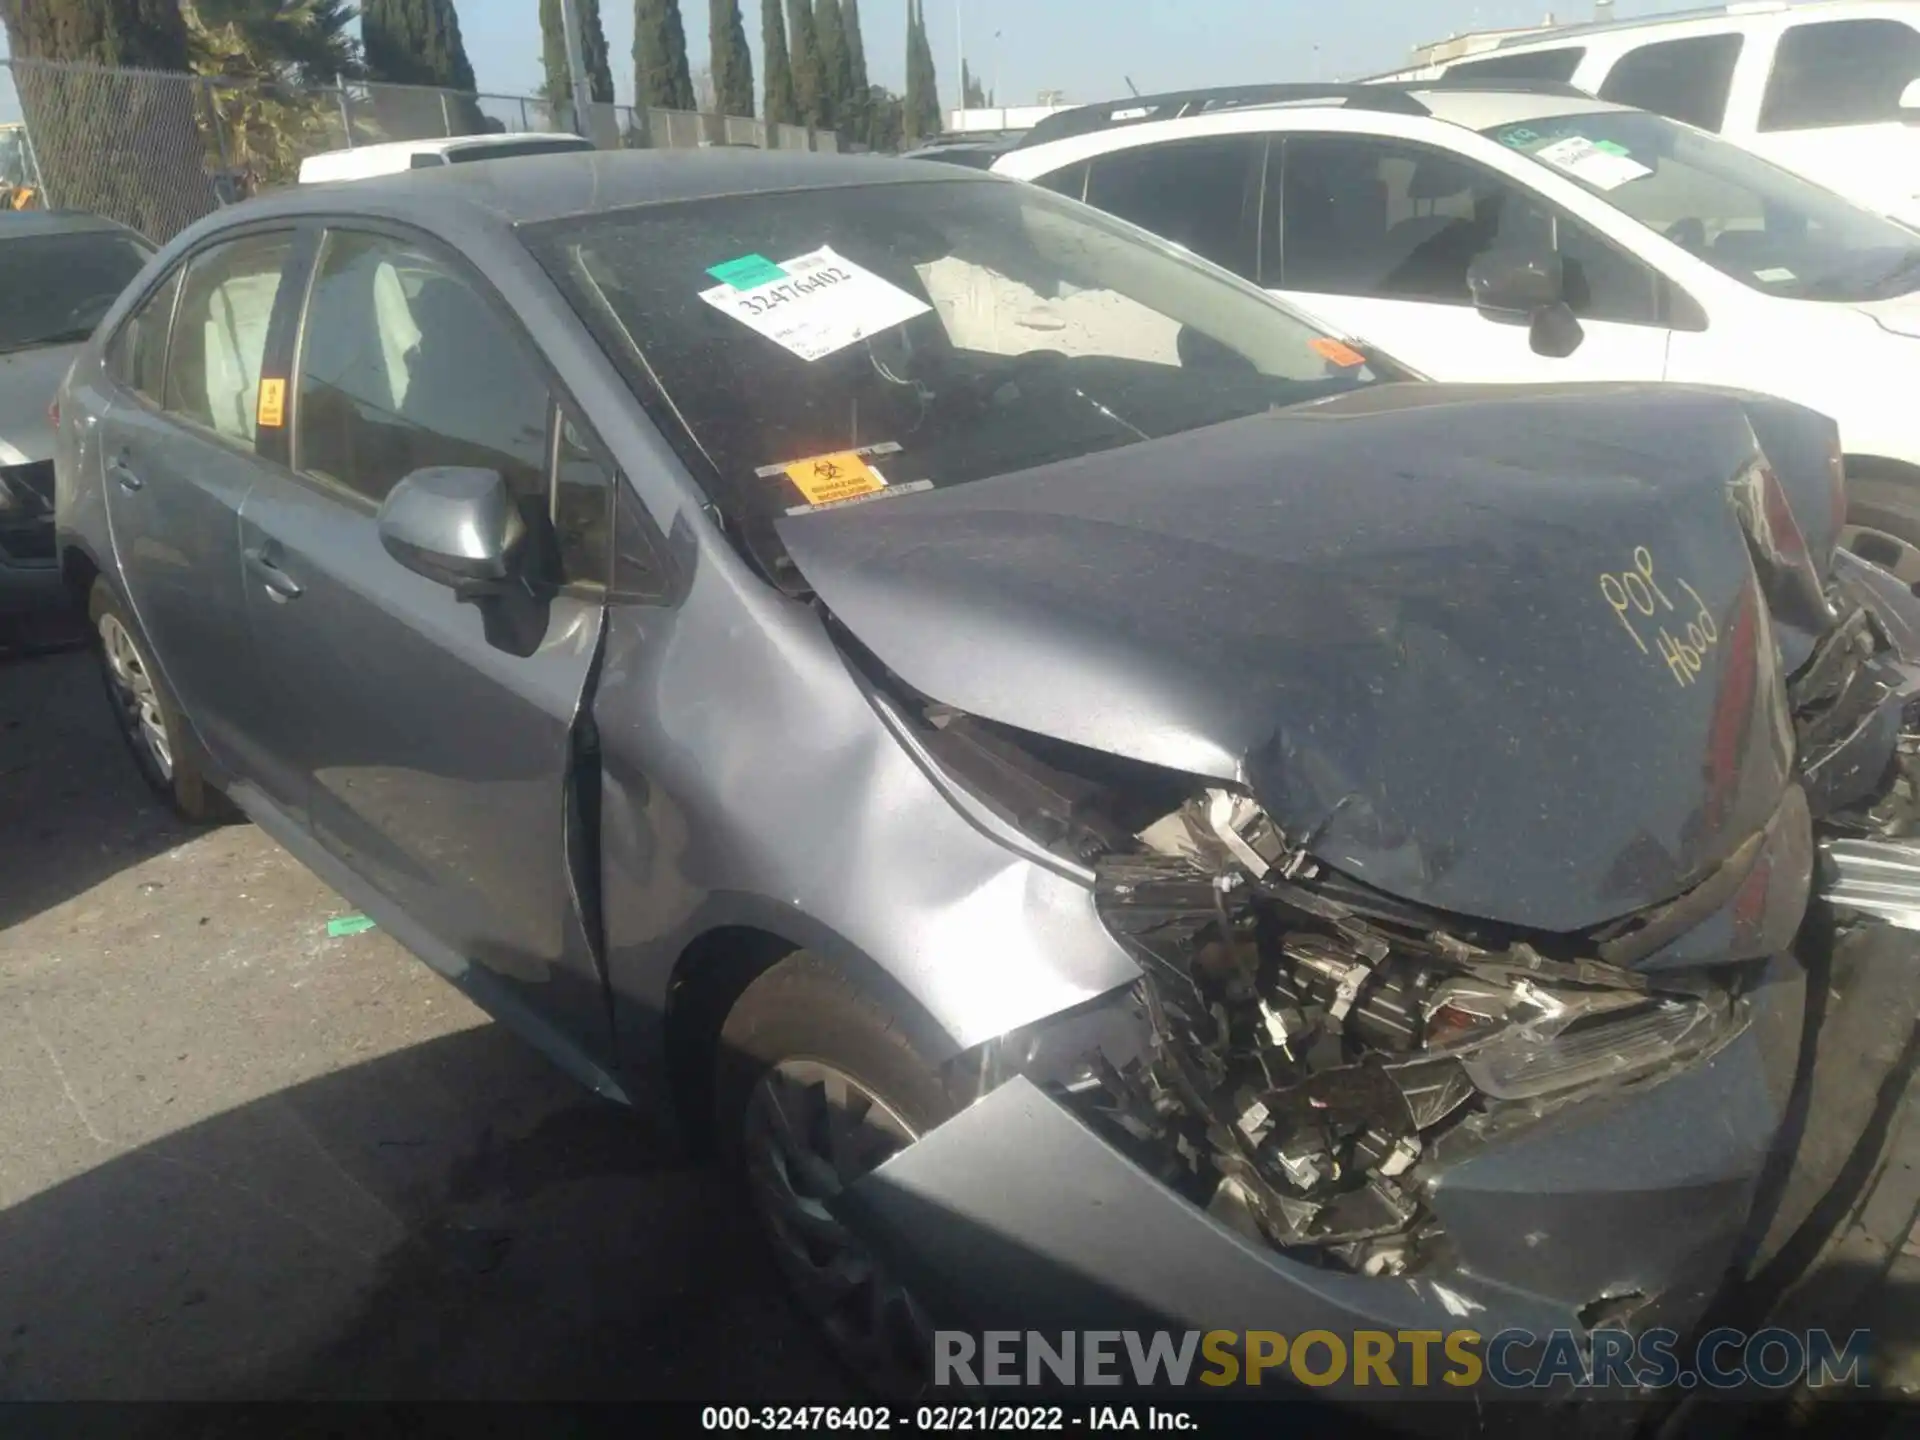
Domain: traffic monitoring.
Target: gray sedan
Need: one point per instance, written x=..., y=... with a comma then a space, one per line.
x=1101, y=798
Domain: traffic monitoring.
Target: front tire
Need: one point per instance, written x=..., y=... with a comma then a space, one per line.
x=145, y=714
x=818, y=1083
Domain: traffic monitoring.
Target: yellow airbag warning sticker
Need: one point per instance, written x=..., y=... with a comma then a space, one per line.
x=827, y=478
x=272, y=410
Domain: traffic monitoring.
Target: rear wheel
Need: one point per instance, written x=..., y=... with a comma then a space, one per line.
x=817, y=1085
x=148, y=719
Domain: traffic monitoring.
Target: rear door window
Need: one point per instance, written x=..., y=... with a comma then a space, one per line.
x=220, y=333
x=1531, y=65
x=1686, y=80
x=1840, y=72
x=1202, y=194
x=138, y=359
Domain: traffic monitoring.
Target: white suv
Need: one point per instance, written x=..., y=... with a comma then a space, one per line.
x=1532, y=233
x=1829, y=88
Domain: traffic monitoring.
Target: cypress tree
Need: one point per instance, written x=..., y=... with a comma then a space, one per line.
x=781, y=107
x=836, y=71
x=732, y=61
x=593, y=45
x=415, y=42
x=856, y=47
x=809, y=80
x=660, y=75
x=931, y=122
x=134, y=34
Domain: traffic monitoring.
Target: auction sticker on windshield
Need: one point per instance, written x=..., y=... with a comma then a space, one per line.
x=1604, y=166
x=820, y=302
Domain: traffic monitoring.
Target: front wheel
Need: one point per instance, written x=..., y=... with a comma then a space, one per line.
x=148, y=720
x=817, y=1085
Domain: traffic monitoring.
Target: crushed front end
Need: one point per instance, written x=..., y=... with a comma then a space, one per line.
x=1522, y=975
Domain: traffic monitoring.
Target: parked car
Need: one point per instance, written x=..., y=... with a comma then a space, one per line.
x=392, y=156
x=1828, y=88
x=1521, y=231
x=59, y=271
x=974, y=704
x=977, y=149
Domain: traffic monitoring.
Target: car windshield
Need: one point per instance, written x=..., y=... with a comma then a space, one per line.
x=1746, y=217
x=837, y=345
x=55, y=287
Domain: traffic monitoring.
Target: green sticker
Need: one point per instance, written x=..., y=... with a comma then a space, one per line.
x=1610, y=147
x=348, y=925
x=1519, y=137
x=746, y=272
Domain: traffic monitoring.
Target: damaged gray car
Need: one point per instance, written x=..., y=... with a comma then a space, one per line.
x=1109, y=803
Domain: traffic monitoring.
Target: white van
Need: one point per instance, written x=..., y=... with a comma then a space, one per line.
x=1523, y=231
x=1830, y=88
x=396, y=155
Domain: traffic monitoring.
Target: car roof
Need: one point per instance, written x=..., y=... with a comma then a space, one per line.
x=15, y=223
x=443, y=144
x=1578, y=31
x=1467, y=104
x=525, y=190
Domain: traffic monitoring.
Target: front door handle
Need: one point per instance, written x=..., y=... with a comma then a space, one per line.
x=280, y=585
x=123, y=473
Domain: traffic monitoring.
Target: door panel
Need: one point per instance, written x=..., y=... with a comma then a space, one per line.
x=175, y=480
x=426, y=742
x=1376, y=237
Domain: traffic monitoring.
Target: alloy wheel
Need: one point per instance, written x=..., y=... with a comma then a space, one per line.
x=136, y=699
x=812, y=1130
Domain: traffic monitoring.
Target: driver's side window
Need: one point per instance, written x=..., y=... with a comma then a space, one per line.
x=1384, y=219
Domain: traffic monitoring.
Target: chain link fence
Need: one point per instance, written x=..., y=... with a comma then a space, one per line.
x=157, y=150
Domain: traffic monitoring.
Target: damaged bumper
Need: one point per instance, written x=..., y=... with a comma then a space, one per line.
x=1017, y=1215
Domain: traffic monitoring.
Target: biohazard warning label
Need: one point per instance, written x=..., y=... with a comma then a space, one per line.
x=841, y=476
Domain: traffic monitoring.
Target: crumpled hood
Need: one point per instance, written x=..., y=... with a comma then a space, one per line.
x=29, y=379
x=1414, y=621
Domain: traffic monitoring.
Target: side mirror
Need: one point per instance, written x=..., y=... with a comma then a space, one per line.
x=1530, y=286
x=1518, y=282
x=456, y=526
x=1909, y=103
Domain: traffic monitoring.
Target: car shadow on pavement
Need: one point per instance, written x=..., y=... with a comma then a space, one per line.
x=73, y=809
x=451, y=1221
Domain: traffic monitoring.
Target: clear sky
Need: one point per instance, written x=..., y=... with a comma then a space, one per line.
x=1087, y=48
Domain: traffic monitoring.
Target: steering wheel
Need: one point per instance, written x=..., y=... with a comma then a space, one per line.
x=1689, y=234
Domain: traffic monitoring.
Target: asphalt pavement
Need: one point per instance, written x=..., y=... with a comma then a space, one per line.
x=240, y=1158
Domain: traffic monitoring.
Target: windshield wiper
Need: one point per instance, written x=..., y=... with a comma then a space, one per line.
x=56, y=337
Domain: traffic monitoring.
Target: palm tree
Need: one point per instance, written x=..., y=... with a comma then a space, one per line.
x=270, y=54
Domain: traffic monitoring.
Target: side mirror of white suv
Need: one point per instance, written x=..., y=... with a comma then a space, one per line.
x=1527, y=285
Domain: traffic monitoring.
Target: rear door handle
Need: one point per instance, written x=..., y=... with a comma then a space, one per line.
x=279, y=584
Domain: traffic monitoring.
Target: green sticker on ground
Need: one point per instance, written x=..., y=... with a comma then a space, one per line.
x=746, y=271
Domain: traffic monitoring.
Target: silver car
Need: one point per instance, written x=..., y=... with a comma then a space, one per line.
x=59, y=271
x=1102, y=798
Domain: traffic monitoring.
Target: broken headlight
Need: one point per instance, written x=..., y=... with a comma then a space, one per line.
x=1305, y=1046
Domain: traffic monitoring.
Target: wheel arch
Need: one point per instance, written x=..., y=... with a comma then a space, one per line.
x=713, y=971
